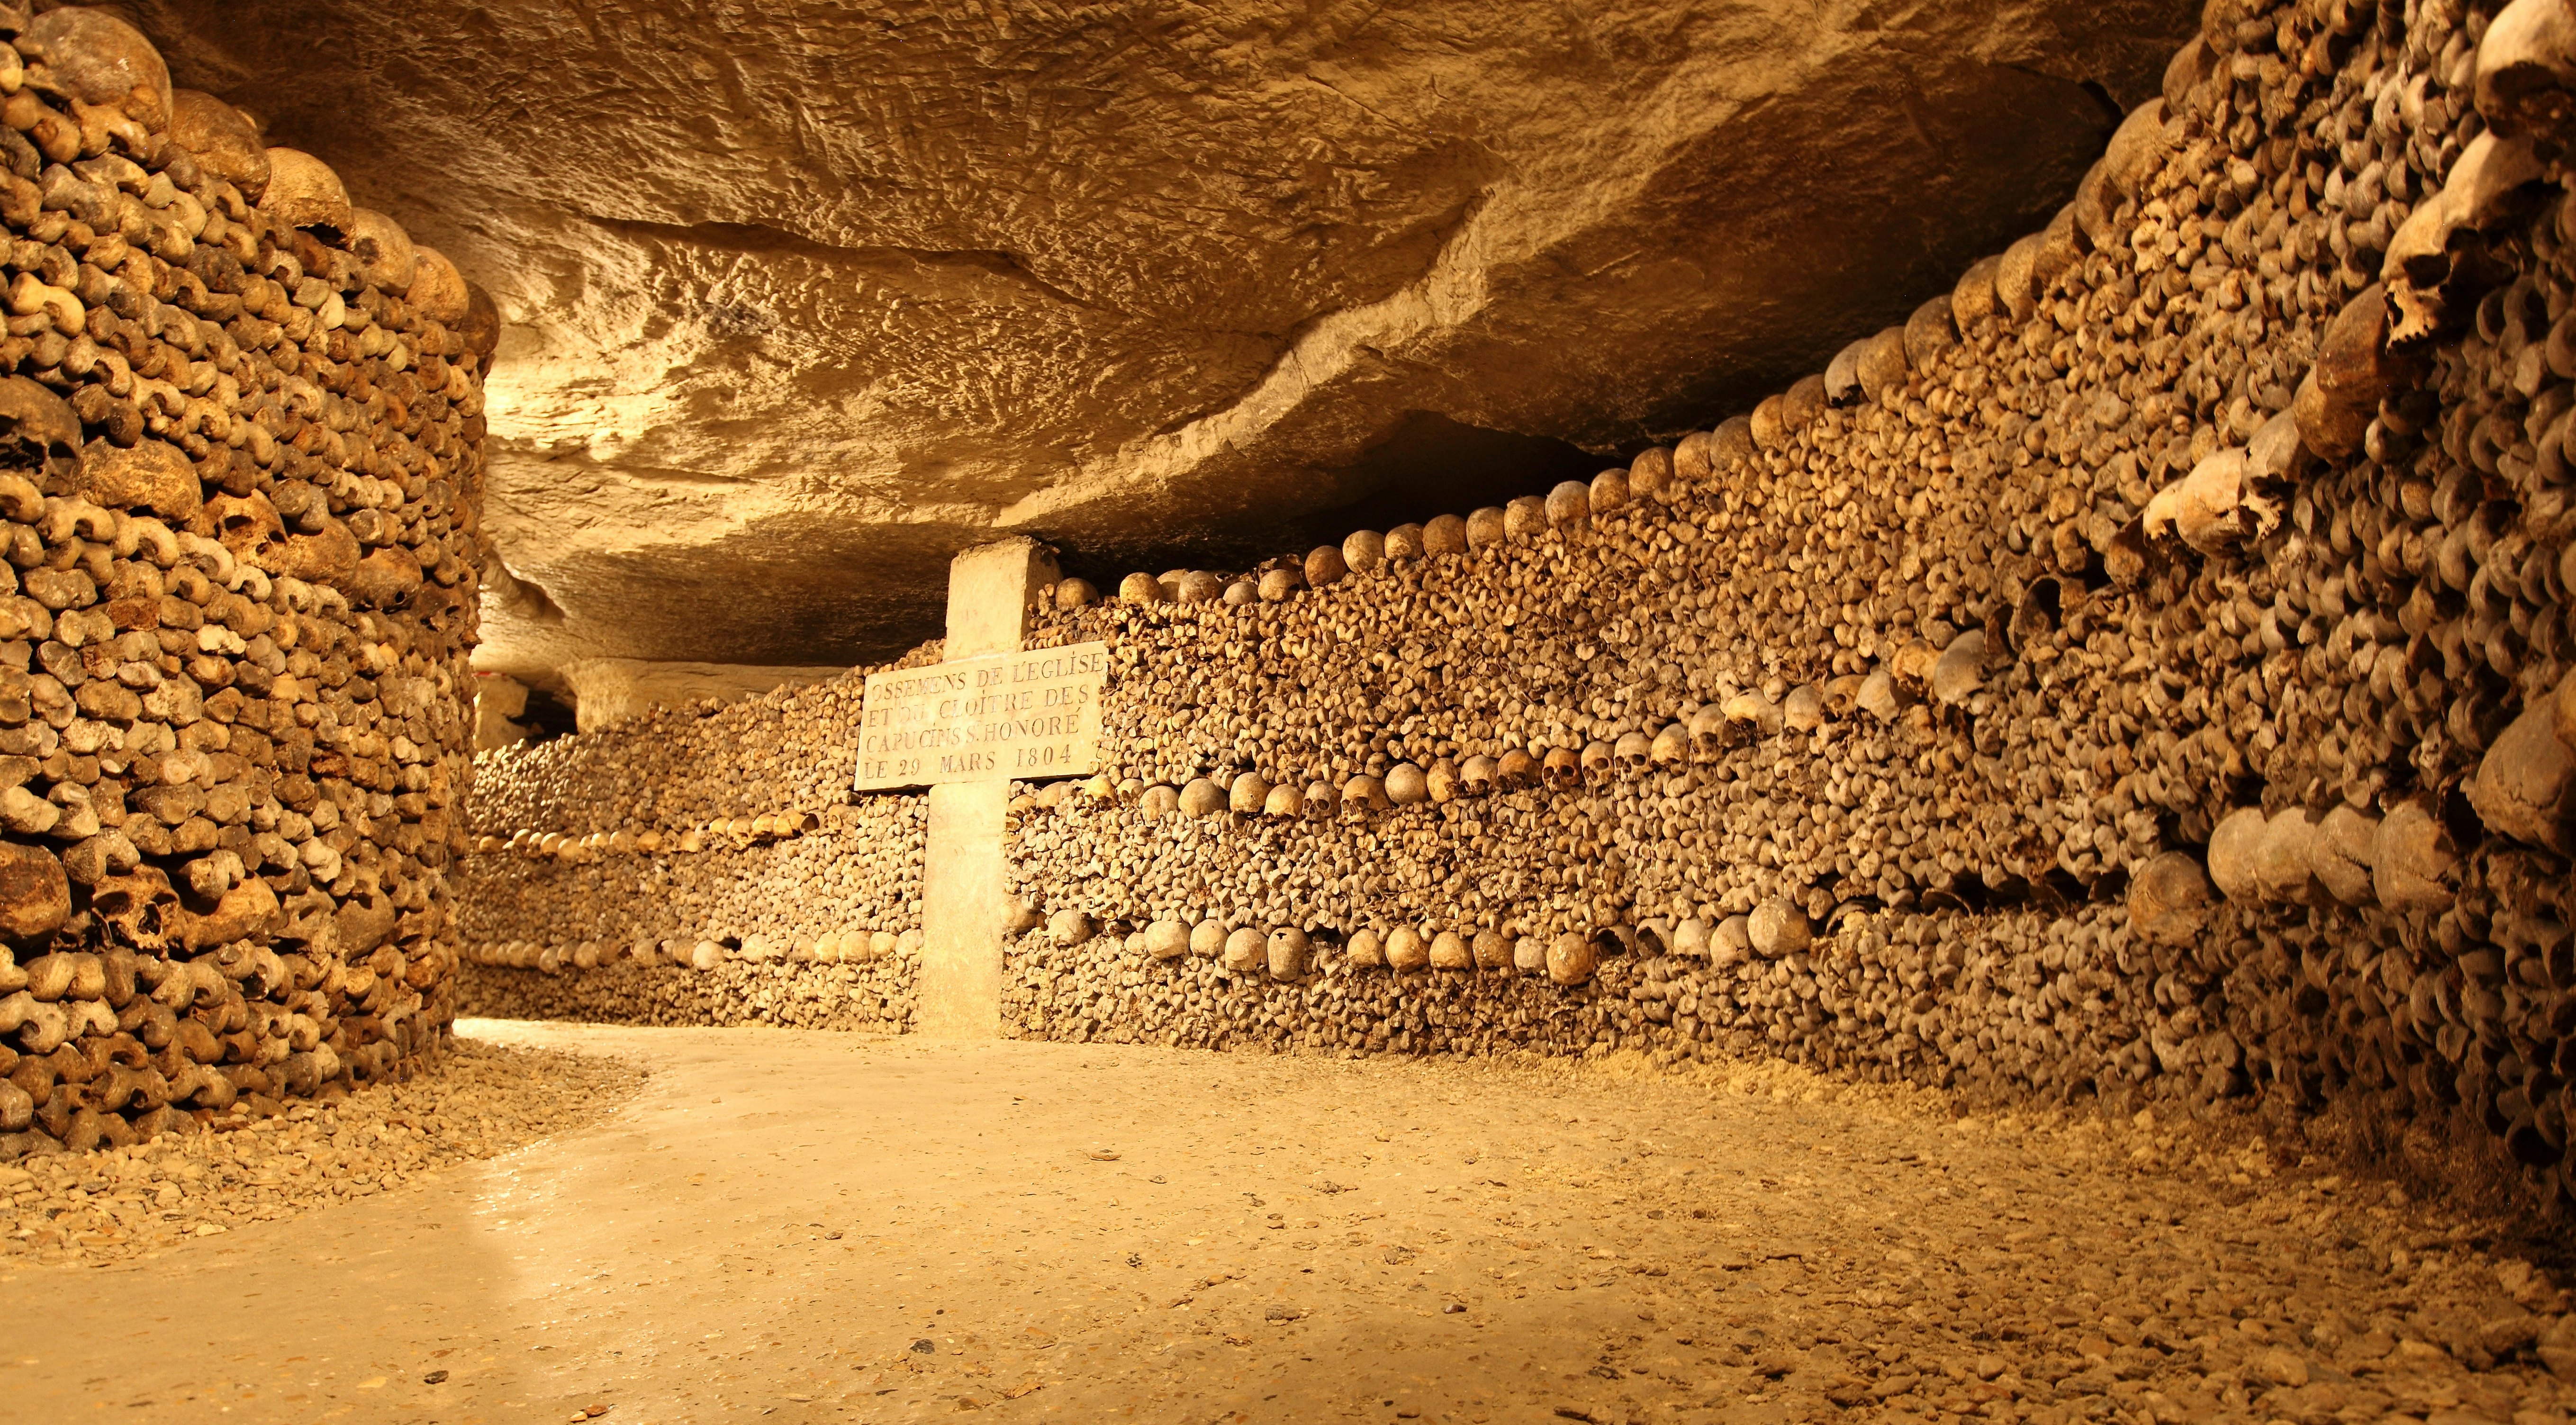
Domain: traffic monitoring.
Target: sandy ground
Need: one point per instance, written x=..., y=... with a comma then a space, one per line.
x=820, y=1227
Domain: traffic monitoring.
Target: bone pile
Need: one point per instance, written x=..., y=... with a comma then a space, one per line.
x=2140, y=674
x=240, y=470
x=617, y=875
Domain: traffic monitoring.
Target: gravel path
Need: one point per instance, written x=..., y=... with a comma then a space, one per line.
x=479, y=1100
x=820, y=1227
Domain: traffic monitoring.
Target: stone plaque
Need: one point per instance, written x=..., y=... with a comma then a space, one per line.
x=993, y=718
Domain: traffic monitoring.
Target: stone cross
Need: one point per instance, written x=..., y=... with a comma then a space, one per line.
x=965, y=872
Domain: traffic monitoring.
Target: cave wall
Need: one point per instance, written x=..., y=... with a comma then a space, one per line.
x=2133, y=679
x=240, y=471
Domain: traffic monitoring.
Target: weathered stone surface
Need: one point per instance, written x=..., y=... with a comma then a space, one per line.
x=803, y=300
x=611, y=690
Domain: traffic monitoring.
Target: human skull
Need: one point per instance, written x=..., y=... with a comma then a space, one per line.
x=1284, y=801
x=1709, y=734
x=140, y=907
x=1634, y=751
x=1476, y=777
x=1570, y=504
x=1449, y=951
x=1805, y=709
x=1367, y=950
x=1563, y=770
x=1321, y=800
x=1406, y=950
x=1756, y=714
x=1672, y=746
x=1246, y=950
x=1516, y=771
x=1289, y=952
x=38, y=431
x=1441, y=780
x=1598, y=760
x=1325, y=566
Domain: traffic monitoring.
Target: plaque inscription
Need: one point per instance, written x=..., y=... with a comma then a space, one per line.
x=994, y=717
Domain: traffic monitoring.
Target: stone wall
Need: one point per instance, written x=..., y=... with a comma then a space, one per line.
x=240, y=471
x=2136, y=677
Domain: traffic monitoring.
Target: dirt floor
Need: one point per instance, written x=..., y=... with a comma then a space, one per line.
x=819, y=1227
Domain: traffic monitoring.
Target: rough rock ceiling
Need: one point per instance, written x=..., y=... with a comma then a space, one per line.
x=803, y=297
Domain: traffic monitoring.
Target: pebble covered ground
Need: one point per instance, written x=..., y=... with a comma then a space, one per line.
x=804, y=1226
x=473, y=1100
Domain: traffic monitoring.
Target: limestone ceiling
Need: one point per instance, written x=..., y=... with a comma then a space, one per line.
x=803, y=297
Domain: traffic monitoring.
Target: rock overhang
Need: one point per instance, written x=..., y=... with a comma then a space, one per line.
x=803, y=301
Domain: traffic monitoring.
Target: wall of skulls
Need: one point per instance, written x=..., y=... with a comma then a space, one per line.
x=2141, y=674
x=240, y=468
x=697, y=865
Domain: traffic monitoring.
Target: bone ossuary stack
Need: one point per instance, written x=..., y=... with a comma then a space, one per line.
x=240, y=463
x=698, y=865
x=2138, y=676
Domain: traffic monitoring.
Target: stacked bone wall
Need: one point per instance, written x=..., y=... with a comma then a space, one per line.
x=2136, y=676
x=240, y=466
x=697, y=865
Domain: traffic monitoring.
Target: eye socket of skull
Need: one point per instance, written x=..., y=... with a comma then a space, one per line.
x=1596, y=758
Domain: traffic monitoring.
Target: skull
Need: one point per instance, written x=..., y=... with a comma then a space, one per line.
x=140, y=908
x=1755, y=714
x=1633, y=752
x=1516, y=771
x=1805, y=709
x=1598, y=760
x=1476, y=778
x=1842, y=695
x=1710, y=734
x=1672, y=746
x=1442, y=780
x=1570, y=504
x=1364, y=793
x=1284, y=801
x=1563, y=770
x=1159, y=801
x=1198, y=587
x=1321, y=801
x=38, y=431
